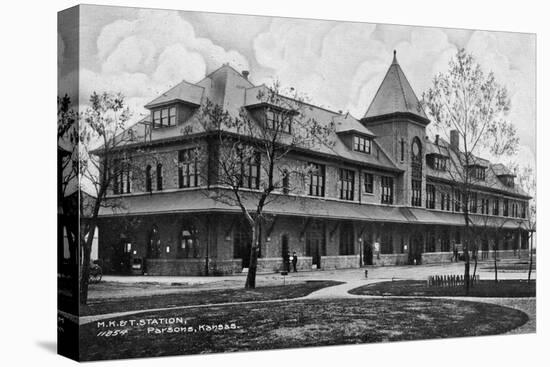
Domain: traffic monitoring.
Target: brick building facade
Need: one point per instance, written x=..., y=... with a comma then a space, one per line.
x=381, y=195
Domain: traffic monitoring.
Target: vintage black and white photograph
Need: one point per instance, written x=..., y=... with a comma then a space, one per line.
x=232, y=183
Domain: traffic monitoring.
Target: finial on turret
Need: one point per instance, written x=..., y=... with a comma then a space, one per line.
x=394, y=57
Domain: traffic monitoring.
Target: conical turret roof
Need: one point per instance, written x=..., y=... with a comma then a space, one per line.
x=395, y=95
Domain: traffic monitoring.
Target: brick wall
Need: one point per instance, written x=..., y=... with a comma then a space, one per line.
x=339, y=262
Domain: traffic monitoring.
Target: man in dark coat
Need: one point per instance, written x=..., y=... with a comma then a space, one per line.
x=294, y=261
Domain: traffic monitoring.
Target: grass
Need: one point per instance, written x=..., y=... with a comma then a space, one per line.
x=485, y=288
x=519, y=267
x=193, y=298
x=299, y=323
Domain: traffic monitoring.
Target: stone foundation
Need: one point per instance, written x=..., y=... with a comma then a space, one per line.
x=339, y=262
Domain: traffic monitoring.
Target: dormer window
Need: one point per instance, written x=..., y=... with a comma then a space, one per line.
x=361, y=144
x=477, y=172
x=278, y=121
x=507, y=180
x=164, y=117
x=437, y=162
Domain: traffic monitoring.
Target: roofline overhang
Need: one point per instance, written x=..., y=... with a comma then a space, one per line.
x=479, y=187
x=355, y=132
x=395, y=115
x=150, y=105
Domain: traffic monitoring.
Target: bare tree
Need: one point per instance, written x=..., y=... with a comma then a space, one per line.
x=103, y=165
x=466, y=100
x=252, y=165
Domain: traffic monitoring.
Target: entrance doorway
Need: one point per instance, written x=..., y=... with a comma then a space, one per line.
x=415, y=251
x=315, y=244
x=367, y=253
x=242, y=244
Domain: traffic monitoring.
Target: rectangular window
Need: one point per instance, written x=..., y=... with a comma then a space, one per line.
x=473, y=202
x=386, y=183
x=188, y=168
x=164, y=117
x=524, y=210
x=250, y=172
x=457, y=200
x=346, y=184
x=416, y=199
x=172, y=117
x=317, y=180
x=496, y=208
x=361, y=144
x=369, y=183
x=505, y=208
x=477, y=172
x=445, y=201
x=156, y=118
x=430, y=196
x=160, y=177
x=440, y=163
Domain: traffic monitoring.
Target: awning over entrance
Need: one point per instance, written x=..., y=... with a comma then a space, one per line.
x=194, y=201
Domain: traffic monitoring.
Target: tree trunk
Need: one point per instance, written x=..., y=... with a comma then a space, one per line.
x=251, y=276
x=85, y=274
x=496, y=270
x=466, y=252
x=530, y=259
x=475, y=269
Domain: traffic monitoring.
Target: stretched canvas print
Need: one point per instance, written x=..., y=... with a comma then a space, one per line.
x=236, y=183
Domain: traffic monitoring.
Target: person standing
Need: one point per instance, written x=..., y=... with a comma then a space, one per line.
x=286, y=261
x=294, y=261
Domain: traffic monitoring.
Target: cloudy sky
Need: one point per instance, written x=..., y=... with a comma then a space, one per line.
x=338, y=65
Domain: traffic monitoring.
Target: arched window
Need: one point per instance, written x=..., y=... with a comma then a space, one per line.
x=416, y=172
x=159, y=176
x=148, y=179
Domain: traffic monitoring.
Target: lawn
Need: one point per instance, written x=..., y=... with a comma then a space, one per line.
x=293, y=324
x=511, y=267
x=106, y=305
x=485, y=288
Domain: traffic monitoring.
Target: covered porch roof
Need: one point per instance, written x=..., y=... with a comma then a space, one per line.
x=196, y=201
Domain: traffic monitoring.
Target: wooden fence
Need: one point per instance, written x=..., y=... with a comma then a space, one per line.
x=450, y=280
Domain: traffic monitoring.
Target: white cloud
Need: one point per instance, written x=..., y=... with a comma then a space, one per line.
x=147, y=55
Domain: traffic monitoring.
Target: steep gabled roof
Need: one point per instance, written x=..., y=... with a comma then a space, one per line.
x=395, y=95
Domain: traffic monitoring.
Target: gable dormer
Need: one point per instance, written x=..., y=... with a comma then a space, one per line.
x=176, y=105
x=356, y=136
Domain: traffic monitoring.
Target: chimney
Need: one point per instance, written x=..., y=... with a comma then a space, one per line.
x=437, y=139
x=454, y=139
x=245, y=74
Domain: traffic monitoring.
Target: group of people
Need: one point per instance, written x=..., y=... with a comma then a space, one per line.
x=288, y=259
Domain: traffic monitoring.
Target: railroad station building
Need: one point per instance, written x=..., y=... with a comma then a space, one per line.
x=381, y=195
